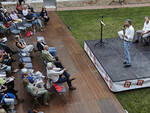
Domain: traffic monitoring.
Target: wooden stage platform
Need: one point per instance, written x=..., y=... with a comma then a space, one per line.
x=92, y=94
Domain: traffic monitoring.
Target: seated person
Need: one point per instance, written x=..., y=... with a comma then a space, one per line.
x=36, y=14
x=44, y=15
x=2, y=16
x=49, y=58
x=7, y=85
x=2, y=8
x=56, y=74
x=145, y=32
x=6, y=59
x=36, y=91
x=40, y=45
x=31, y=18
x=23, y=46
x=8, y=20
x=5, y=67
x=15, y=17
x=19, y=8
x=34, y=78
x=25, y=11
x=8, y=101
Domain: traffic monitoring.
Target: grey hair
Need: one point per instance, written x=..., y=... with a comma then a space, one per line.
x=129, y=21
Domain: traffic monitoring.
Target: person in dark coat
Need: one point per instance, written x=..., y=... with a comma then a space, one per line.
x=44, y=15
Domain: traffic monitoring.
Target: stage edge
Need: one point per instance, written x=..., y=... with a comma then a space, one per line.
x=116, y=86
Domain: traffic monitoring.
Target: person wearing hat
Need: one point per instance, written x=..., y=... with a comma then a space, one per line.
x=55, y=74
x=127, y=35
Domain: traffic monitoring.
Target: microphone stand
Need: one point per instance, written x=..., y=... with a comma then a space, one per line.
x=100, y=42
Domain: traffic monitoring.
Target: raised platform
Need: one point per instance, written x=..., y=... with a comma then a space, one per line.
x=109, y=62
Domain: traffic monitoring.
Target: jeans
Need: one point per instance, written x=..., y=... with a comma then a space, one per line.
x=138, y=34
x=127, y=46
x=38, y=22
x=65, y=79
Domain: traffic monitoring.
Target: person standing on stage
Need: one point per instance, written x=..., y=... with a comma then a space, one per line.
x=145, y=32
x=127, y=34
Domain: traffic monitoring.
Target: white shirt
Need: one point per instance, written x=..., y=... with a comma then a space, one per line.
x=146, y=27
x=54, y=73
x=129, y=32
x=25, y=12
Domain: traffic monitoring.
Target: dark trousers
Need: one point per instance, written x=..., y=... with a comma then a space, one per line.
x=46, y=20
x=65, y=78
x=57, y=63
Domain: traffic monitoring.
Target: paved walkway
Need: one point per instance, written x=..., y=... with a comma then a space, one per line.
x=102, y=7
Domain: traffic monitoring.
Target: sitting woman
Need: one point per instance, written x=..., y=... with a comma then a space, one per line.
x=15, y=17
x=21, y=45
x=44, y=15
x=19, y=8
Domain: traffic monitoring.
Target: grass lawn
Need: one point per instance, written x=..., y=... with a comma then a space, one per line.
x=85, y=26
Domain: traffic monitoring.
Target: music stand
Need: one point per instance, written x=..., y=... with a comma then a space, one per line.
x=100, y=42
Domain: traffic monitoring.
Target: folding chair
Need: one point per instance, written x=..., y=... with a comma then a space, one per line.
x=14, y=30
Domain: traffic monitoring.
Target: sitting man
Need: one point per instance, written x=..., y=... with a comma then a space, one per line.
x=31, y=18
x=34, y=78
x=55, y=74
x=40, y=46
x=36, y=91
x=145, y=33
x=49, y=58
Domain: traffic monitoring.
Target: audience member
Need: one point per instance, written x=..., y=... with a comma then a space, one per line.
x=36, y=91
x=25, y=11
x=15, y=17
x=55, y=74
x=49, y=58
x=31, y=18
x=44, y=15
x=19, y=8
x=21, y=45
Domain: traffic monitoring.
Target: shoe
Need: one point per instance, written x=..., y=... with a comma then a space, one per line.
x=72, y=88
x=72, y=79
x=127, y=65
x=136, y=41
x=124, y=62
